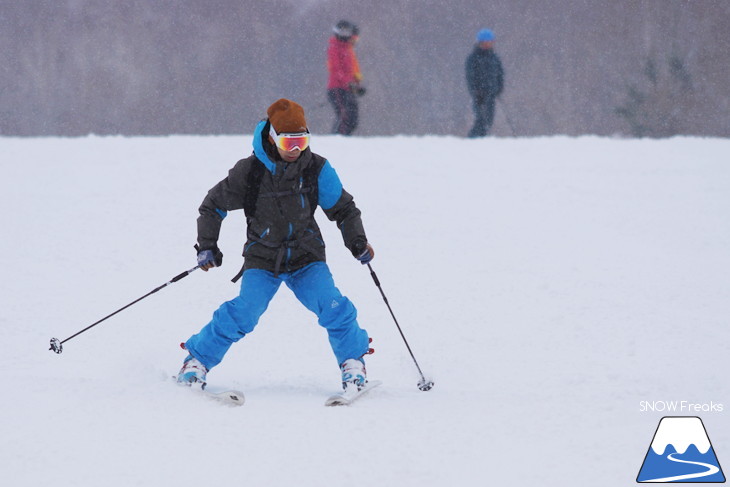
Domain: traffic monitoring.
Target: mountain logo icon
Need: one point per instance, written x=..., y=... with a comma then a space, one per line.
x=681, y=452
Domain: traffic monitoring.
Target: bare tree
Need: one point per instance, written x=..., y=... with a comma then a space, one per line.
x=660, y=104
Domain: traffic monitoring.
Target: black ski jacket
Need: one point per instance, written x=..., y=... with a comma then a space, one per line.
x=484, y=73
x=279, y=200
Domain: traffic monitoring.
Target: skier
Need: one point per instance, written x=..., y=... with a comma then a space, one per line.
x=485, y=80
x=279, y=187
x=344, y=84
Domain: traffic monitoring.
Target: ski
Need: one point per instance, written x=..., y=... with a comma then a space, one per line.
x=230, y=397
x=349, y=396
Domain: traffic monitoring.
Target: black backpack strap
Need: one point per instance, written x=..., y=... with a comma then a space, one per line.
x=253, y=184
x=238, y=276
x=311, y=181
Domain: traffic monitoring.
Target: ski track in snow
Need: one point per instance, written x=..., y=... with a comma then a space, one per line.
x=544, y=284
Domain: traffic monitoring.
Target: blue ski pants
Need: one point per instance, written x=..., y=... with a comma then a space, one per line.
x=314, y=288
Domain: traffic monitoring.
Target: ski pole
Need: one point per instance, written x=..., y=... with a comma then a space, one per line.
x=57, y=345
x=507, y=117
x=423, y=384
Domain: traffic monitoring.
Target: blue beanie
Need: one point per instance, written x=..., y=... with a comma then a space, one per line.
x=485, y=35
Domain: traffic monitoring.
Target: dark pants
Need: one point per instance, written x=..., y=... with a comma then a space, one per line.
x=345, y=105
x=484, y=116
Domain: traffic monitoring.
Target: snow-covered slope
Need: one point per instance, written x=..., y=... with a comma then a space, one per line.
x=547, y=286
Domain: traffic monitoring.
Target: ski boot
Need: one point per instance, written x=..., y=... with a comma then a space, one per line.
x=192, y=373
x=353, y=374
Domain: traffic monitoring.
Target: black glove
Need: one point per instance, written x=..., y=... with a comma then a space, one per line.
x=367, y=256
x=362, y=251
x=357, y=89
x=209, y=258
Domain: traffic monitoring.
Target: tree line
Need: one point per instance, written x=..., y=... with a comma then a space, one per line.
x=626, y=67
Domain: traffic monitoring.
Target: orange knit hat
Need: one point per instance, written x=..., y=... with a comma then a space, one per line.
x=287, y=117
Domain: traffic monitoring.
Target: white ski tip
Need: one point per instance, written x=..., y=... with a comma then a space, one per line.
x=232, y=398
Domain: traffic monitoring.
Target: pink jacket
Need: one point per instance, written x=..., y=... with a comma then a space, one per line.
x=342, y=64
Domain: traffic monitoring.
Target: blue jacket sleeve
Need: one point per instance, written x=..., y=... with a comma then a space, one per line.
x=339, y=206
x=330, y=187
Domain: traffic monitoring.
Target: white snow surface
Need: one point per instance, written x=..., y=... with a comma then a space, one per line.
x=546, y=285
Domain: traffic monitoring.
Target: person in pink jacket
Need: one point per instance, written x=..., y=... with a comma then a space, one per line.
x=343, y=86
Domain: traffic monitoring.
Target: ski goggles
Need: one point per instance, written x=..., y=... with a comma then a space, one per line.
x=289, y=142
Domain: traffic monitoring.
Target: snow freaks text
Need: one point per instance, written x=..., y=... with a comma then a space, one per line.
x=684, y=407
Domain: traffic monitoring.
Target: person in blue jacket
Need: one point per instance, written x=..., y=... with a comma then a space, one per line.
x=485, y=81
x=279, y=187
